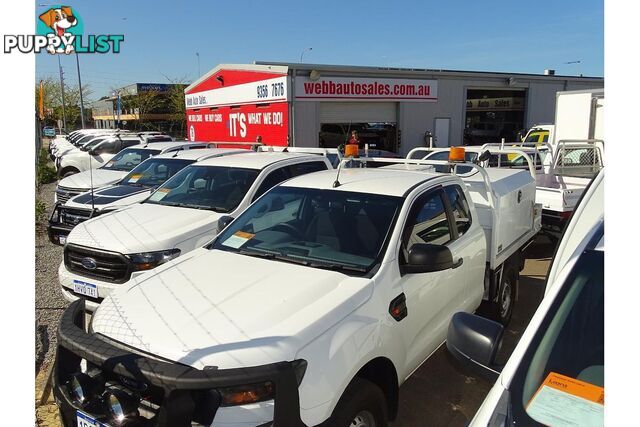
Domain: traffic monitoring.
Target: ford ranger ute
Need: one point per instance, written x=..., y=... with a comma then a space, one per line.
x=311, y=308
x=133, y=188
x=180, y=216
x=116, y=168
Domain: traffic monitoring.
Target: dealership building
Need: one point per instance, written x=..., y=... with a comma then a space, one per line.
x=392, y=109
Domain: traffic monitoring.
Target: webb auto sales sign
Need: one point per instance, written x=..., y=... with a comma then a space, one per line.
x=239, y=106
x=371, y=89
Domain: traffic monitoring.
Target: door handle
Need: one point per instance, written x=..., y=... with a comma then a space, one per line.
x=458, y=263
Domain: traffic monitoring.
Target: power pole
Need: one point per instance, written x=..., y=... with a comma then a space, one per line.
x=64, y=115
x=80, y=87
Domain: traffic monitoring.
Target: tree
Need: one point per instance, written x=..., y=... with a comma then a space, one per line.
x=53, y=101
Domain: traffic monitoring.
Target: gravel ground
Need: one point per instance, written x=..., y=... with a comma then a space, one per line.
x=49, y=300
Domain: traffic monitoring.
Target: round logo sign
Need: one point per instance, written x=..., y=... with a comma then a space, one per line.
x=192, y=133
x=89, y=263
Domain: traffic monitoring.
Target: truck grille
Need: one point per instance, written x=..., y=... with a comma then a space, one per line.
x=107, y=266
x=63, y=194
x=74, y=216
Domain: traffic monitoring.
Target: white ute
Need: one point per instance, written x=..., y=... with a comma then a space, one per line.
x=181, y=215
x=133, y=188
x=310, y=308
x=559, y=360
x=116, y=168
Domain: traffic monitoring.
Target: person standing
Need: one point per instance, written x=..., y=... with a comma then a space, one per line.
x=354, y=138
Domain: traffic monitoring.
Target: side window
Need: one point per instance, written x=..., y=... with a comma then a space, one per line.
x=428, y=222
x=107, y=147
x=308, y=167
x=274, y=178
x=459, y=208
x=126, y=143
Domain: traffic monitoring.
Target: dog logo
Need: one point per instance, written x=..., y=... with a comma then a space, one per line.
x=60, y=20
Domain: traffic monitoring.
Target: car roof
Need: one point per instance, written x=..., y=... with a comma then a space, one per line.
x=253, y=160
x=389, y=182
x=199, y=154
x=163, y=145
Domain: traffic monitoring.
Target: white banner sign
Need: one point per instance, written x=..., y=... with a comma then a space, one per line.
x=355, y=89
x=263, y=91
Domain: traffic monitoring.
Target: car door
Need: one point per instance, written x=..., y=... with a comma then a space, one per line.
x=431, y=298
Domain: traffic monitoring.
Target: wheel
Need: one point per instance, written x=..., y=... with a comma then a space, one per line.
x=503, y=309
x=68, y=172
x=362, y=405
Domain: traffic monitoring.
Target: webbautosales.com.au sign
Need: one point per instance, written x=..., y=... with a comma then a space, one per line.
x=346, y=88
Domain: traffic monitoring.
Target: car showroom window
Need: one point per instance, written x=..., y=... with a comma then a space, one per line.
x=459, y=208
x=274, y=178
x=429, y=222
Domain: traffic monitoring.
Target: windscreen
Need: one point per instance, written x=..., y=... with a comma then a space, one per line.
x=128, y=159
x=154, y=172
x=328, y=229
x=566, y=356
x=220, y=189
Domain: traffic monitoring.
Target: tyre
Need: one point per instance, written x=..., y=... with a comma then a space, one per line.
x=362, y=405
x=503, y=307
x=68, y=172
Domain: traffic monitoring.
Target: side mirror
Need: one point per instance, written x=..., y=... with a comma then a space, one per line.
x=93, y=152
x=223, y=222
x=474, y=341
x=425, y=258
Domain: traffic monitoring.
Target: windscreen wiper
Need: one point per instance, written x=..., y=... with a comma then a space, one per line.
x=337, y=267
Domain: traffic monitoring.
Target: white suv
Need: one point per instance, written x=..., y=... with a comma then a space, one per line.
x=99, y=151
x=133, y=188
x=117, y=168
x=181, y=215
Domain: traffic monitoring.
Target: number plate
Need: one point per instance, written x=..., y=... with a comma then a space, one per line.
x=85, y=420
x=62, y=239
x=84, y=288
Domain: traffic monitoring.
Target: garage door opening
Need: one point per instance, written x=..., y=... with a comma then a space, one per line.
x=375, y=123
x=492, y=115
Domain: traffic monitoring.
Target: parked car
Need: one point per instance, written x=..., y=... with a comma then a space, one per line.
x=133, y=188
x=312, y=307
x=49, y=131
x=555, y=375
x=181, y=215
x=116, y=168
x=98, y=152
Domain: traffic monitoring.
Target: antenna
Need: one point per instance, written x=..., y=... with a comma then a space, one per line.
x=93, y=207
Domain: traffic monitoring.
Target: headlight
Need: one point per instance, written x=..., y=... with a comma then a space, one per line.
x=149, y=260
x=246, y=394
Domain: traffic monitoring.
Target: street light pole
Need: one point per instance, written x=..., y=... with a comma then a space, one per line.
x=64, y=115
x=198, y=56
x=303, y=51
x=80, y=88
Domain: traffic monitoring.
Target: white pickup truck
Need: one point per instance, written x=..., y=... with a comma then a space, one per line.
x=116, y=168
x=181, y=215
x=560, y=355
x=311, y=308
x=574, y=163
x=133, y=188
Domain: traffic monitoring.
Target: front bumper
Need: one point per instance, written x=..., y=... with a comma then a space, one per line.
x=58, y=230
x=180, y=388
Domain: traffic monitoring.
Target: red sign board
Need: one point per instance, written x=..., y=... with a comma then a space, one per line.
x=240, y=124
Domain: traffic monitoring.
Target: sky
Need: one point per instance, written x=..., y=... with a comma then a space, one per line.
x=162, y=37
